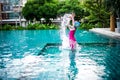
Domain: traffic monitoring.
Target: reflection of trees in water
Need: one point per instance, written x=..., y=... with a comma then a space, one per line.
x=113, y=62
x=72, y=68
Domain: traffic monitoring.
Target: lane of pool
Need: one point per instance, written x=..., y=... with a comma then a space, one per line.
x=37, y=55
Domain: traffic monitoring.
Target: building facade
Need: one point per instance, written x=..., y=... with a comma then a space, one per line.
x=10, y=11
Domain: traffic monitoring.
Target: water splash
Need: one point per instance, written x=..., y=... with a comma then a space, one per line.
x=64, y=37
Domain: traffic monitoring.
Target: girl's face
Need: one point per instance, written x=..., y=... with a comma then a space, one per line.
x=73, y=14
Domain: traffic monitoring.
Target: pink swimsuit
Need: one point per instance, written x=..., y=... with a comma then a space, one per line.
x=72, y=39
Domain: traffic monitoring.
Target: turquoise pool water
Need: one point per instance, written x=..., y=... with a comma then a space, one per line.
x=37, y=55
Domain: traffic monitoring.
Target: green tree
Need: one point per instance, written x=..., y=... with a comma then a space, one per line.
x=71, y=6
x=49, y=10
x=27, y=11
x=37, y=9
x=98, y=15
x=113, y=6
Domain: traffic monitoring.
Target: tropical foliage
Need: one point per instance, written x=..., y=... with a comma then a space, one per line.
x=36, y=26
x=71, y=6
x=37, y=9
x=91, y=13
x=98, y=17
x=113, y=6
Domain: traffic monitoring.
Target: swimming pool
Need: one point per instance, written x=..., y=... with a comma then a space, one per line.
x=37, y=55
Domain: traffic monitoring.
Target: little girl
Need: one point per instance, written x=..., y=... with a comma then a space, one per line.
x=67, y=18
x=72, y=40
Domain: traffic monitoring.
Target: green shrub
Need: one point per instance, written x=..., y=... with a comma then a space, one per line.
x=99, y=25
x=53, y=26
x=7, y=27
x=30, y=26
x=86, y=26
x=20, y=28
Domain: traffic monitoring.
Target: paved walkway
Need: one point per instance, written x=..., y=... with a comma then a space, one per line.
x=107, y=32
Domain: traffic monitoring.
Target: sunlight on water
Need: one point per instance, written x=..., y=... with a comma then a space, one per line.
x=65, y=65
x=22, y=68
x=88, y=69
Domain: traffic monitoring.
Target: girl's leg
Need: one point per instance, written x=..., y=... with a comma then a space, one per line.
x=72, y=44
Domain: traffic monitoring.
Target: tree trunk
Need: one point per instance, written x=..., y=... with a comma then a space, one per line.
x=112, y=23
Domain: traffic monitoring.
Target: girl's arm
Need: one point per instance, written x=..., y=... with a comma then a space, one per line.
x=71, y=27
x=72, y=18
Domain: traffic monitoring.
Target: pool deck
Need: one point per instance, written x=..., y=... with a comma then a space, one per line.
x=107, y=32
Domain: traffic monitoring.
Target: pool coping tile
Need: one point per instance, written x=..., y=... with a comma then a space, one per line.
x=106, y=32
